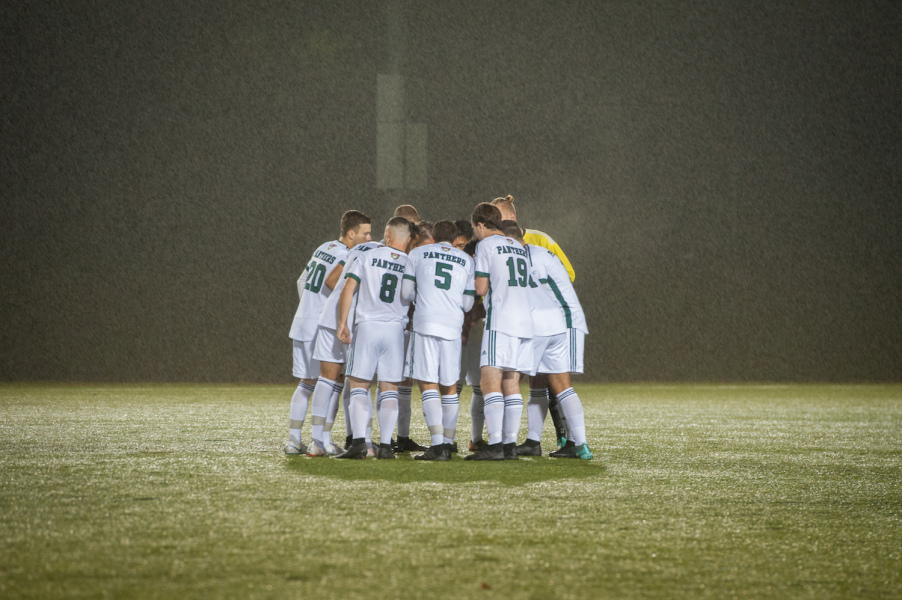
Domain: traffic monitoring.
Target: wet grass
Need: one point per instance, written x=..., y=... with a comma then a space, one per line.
x=696, y=492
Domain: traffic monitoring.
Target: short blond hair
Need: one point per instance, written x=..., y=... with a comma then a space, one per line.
x=505, y=205
x=408, y=212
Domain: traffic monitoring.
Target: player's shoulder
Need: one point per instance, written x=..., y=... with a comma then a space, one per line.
x=364, y=247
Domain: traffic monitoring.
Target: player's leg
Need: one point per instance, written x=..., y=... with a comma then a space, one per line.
x=390, y=366
x=536, y=411
x=361, y=366
x=304, y=368
x=572, y=407
x=513, y=411
x=490, y=382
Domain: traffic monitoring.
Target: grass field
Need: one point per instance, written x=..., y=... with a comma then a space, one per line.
x=695, y=492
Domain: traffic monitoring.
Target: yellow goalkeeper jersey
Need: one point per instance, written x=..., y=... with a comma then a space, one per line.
x=540, y=238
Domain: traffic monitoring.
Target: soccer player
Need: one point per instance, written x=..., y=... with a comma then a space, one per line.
x=331, y=354
x=542, y=239
x=377, y=344
x=502, y=278
x=443, y=286
x=405, y=390
x=560, y=328
x=314, y=287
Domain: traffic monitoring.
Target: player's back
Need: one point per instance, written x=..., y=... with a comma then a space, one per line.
x=313, y=291
x=329, y=317
x=555, y=304
x=443, y=275
x=505, y=263
x=379, y=273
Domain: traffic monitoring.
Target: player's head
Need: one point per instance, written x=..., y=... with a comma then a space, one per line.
x=356, y=228
x=425, y=233
x=512, y=230
x=470, y=247
x=506, y=206
x=398, y=232
x=444, y=232
x=464, y=228
x=408, y=212
x=486, y=220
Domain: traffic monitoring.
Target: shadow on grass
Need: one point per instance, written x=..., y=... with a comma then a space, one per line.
x=406, y=470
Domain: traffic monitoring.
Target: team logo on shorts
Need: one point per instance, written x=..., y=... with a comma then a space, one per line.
x=395, y=256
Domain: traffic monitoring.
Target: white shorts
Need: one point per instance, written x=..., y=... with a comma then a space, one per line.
x=304, y=365
x=562, y=353
x=469, y=356
x=328, y=347
x=377, y=346
x=433, y=359
x=506, y=352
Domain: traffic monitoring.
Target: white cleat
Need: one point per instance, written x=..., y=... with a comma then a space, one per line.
x=331, y=449
x=316, y=449
x=292, y=448
x=371, y=452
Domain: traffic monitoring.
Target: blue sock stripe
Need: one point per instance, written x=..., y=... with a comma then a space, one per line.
x=450, y=400
x=431, y=395
x=306, y=387
x=513, y=401
x=389, y=395
x=405, y=390
x=494, y=399
x=358, y=392
x=477, y=390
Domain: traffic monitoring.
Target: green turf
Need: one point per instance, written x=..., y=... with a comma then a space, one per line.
x=696, y=492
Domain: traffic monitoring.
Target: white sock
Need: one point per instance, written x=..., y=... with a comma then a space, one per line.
x=331, y=412
x=494, y=416
x=432, y=412
x=477, y=414
x=450, y=412
x=573, y=410
x=360, y=411
x=536, y=412
x=298, y=411
x=319, y=407
x=513, y=411
x=404, y=394
x=345, y=402
x=388, y=415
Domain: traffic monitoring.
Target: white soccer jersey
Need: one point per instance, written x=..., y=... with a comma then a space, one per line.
x=444, y=275
x=379, y=273
x=329, y=318
x=505, y=262
x=313, y=291
x=554, y=304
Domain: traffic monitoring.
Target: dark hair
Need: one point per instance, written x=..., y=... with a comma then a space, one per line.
x=396, y=222
x=353, y=219
x=425, y=229
x=511, y=230
x=444, y=231
x=487, y=215
x=464, y=228
x=470, y=248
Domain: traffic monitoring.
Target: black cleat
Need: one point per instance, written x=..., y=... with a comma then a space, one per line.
x=405, y=444
x=356, y=449
x=385, y=452
x=510, y=451
x=348, y=441
x=490, y=452
x=452, y=447
x=437, y=452
x=568, y=451
x=530, y=448
x=477, y=446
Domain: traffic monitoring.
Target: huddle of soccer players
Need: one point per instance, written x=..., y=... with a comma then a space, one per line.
x=356, y=297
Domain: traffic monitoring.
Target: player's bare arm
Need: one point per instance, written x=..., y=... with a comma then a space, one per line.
x=344, y=308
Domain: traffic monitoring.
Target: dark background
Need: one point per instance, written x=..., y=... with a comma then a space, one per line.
x=725, y=177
